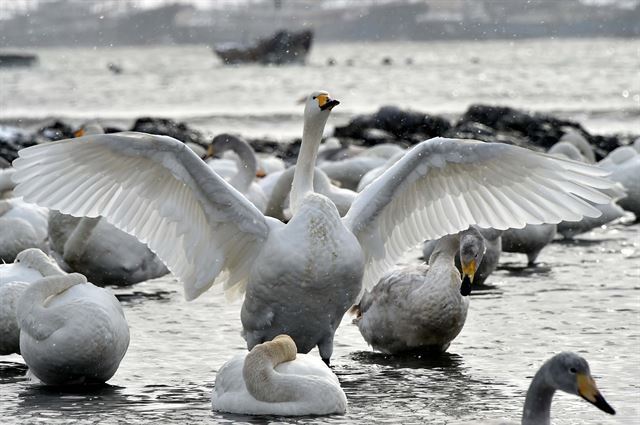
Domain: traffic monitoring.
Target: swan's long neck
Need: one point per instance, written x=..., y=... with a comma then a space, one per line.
x=446, y=249
x=305, y=166
x=5, y=179
x=247, y=167
x=260, y=377
x=78, y=240
x=32, y=315
x=537, y=405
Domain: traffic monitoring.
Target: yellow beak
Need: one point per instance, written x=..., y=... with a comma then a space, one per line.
x=469, y=269
x=587, y=389
x=79, y=133
x=210, y=151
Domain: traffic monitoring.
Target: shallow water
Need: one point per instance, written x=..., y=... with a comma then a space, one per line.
x=583, y=297
x=592, y=80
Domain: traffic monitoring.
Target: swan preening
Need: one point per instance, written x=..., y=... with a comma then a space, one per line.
x=273, y=380
x=300, y=277
x=566, y=372
x=422, y=309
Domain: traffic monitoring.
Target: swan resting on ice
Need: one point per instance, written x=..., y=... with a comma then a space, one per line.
x=301, y=277
x=273, y=380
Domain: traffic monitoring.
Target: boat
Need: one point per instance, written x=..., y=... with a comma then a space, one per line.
x=17, y=59
x=284, y=47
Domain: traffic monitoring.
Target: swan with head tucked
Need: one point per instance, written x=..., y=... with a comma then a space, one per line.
x=246, y=167
x=273, y=380
x=30, y=265
x=71, y=332
x=566, y=372
x=422, y=309
x=301, y=277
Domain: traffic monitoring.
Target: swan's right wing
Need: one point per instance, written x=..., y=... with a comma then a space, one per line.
x=157, y=189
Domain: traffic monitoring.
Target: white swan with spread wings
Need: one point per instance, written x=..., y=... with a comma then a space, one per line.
x=300, y=278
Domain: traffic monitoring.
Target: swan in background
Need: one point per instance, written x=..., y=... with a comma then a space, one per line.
x=30, y=265
x=246, y=167
x=301, y=277
x=22, y=225
x=104, y=254
x=624, y=165
x=610, y=211
x=273, y=380
x=279, y=199
x=422, y=309
x=348, y=172
x=530, y=240
x=71, y=332
x=583, y=146
x=492, y=243
x=378, y=171
x=566, y=372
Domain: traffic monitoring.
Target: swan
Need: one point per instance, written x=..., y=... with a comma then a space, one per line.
x=246, y=167
x=349, y=171
x=22, y=225
x=273, y=380
x=492, y=243
x=71, y=332
x=610, y=211
x=378, y=171
x=422, y=309
x=583, y=146
x=30, y=265
x=104, y=254
x=624, y=165
x=529, y=240
x=342, y=198
x=6, y=183
x=301, y=277
x=566, y=372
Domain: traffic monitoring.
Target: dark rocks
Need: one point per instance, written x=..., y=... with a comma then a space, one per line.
x=168, y=127
x=56, y=131
x=282, y=48
x=405, y=125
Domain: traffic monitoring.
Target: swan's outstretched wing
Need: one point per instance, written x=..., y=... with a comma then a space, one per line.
x=157, y=189
x=442, y=186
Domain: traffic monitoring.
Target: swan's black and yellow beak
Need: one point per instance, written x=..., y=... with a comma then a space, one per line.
x=79, y=133
x=326, y=103
x=587, y=389
x=469, y=269
x=210, y=151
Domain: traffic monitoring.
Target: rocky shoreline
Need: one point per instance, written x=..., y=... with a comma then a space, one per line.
x=389, y=124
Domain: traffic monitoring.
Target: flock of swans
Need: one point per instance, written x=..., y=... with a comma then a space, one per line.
x=322, y=249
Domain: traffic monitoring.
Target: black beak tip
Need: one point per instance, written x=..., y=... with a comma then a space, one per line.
x=602, y=404
x=465, y=288
x=330, y=104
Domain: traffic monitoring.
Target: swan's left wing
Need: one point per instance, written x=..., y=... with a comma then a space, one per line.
x=443, y=186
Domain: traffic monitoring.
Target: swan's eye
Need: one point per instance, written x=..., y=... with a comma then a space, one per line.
x=315, y=97
x=573, y=370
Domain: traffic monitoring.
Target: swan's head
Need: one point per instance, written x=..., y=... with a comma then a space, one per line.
x=472, y=250
x=319, y=103
x=32, y=257
x=568, y=150
x=223, y=142
x=283, y=347
x=570, y=373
